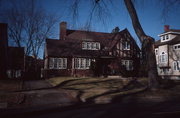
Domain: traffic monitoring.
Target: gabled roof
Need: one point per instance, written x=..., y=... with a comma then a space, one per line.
x=71, y=46
x=170, y=42
x=174, y=30
x=170, y=31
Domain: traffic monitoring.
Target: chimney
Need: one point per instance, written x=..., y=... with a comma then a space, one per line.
x=166, y=28
x=3, y=49
x=63, y=27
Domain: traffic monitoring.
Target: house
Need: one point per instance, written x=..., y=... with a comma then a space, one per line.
x=11, y=58
x=87, y=53
x=15, y=63
x=167, y=51
x=3, y=50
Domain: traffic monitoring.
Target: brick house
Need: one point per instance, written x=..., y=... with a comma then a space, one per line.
x=11, y=58
x=15, y=63
x=3, y=50
x=167, y=51
x=87, y=53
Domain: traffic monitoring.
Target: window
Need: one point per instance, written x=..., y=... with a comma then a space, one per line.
x=176, y=65
x=167, y=37
x=128, y=64
x=82, y=63
x=163, y=57
x=177, y=47
x=90, y=45
x=156, y=51
x=58, y=63
x=126, y=45
x=163, y=37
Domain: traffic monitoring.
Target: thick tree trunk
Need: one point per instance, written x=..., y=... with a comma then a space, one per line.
x=147, y=43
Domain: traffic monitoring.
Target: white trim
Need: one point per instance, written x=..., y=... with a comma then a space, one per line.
x=169, y=33
x=175, y=65
x=57, y=63
x=128, y=64
x=163, y=57
x=91, y=46
x=82, y=63
x=126, y=45
x=178, y=48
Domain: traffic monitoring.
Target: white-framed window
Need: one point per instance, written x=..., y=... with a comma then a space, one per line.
x=126, y=45
x=82, y=63
x=176, y=47
x=163, y=57
x=90, y=45
x=156, y=51
x=167, y=37
x=163, y=38
x=57, y=63
x=128, y=64
x=176, y=65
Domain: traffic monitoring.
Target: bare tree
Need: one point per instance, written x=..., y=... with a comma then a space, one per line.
x=146, y=41
x=29, y=25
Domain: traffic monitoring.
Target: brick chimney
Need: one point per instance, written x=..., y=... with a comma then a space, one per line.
x=63, y=27
x=3, y=50
x=166, y=28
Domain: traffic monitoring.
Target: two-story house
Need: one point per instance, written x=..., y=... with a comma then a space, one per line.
x=167, y=51
x=87, y=53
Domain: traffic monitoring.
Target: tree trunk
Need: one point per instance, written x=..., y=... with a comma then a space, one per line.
x=147, y=45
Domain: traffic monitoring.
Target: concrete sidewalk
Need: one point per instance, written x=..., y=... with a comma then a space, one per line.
x=35, y=84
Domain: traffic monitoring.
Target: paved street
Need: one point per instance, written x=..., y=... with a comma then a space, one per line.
x=128, y=107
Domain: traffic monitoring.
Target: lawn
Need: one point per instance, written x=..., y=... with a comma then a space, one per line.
x=99, y=90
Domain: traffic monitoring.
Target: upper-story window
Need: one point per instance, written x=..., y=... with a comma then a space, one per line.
x=176, y=65
x=176, y=47
x=126, y=45
x=90, y=45
x=58, y=63
x=163, y=57
x=165, y=37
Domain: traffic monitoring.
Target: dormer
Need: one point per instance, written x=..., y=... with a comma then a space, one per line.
x=168, y=34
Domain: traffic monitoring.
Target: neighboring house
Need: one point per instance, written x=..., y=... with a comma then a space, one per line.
x=167, y=51
x=3, y=50
x=86, y=53
x=11, y=58
x=15, y=62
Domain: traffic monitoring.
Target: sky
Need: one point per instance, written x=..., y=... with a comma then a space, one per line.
x=149, y=12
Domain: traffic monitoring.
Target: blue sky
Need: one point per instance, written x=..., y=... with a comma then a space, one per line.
x=149, y=12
